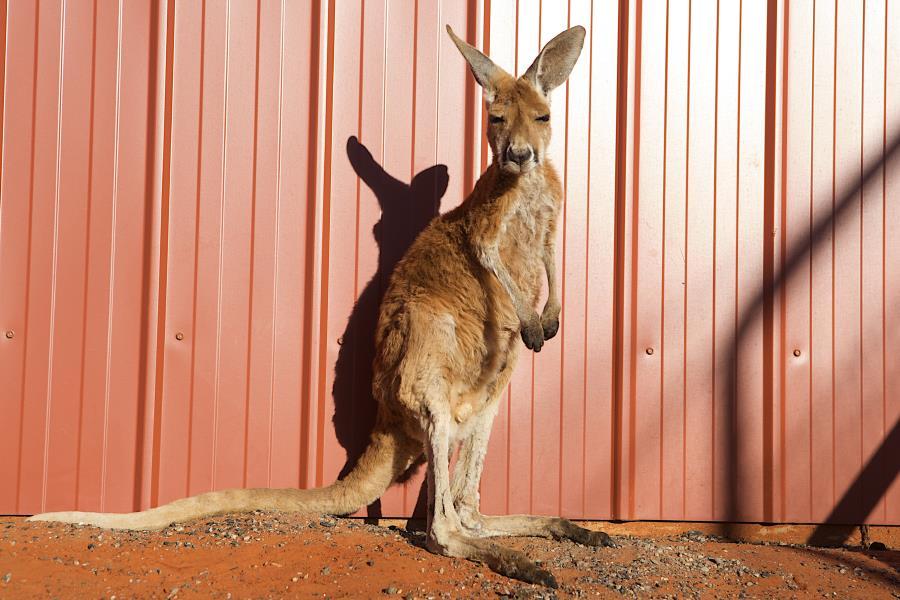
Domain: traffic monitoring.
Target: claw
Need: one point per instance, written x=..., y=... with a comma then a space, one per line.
x=546, y=579
x=551, y=329
x=533, y=337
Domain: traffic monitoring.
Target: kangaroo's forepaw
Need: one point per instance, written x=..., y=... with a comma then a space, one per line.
x=550, y=327
x=533, y=335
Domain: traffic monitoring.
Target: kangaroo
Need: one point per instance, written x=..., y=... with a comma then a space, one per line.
x=446, y=341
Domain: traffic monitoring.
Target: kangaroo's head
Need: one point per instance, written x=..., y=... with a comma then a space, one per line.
x=519, y=109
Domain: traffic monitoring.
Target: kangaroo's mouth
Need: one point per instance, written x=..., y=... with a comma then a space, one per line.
x=513, y=167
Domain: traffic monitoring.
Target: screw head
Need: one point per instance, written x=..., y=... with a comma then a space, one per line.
x=10, y=334
x=179, y=336
x=796, y=351
x=649, y=351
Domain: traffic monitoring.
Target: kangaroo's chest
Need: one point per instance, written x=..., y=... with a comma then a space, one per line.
x=522, y=242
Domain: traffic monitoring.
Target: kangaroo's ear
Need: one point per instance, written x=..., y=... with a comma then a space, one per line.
x=483, y=68
x=553, y=65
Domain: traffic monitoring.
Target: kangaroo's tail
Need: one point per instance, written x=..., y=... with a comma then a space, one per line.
x=388, y=455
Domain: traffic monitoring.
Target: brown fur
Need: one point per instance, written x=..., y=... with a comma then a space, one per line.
x=447, y=338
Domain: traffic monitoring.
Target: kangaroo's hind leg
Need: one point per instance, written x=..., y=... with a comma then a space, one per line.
x=466, y=479
x=446, y=535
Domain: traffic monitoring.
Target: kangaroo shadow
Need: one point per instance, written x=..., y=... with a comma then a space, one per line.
x=406, y=209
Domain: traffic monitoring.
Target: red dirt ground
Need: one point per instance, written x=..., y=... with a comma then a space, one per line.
x=279, y=555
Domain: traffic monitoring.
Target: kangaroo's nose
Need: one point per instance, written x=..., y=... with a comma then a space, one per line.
x=518, y=154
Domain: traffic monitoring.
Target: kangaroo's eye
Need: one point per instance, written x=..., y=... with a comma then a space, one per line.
x=495, y=119
x=543, y=118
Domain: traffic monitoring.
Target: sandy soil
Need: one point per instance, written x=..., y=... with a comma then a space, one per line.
x=278, y=555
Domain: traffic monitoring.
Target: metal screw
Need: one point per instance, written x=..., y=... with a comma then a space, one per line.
x=649, y=351
x=179, y=336
x=10, y=334
x=796, y=352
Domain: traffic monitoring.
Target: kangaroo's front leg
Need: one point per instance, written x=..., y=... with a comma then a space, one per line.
x=550, y=314
x=484, y=235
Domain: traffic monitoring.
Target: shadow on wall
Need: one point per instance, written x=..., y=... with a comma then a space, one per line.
x=405, y=211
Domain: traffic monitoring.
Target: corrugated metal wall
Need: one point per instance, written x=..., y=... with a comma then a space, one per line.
x=202, y=201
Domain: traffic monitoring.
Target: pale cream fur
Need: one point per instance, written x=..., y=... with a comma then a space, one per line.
x=447, y=339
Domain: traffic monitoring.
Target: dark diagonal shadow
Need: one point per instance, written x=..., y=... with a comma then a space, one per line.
x=874, y=479
x=405, y=210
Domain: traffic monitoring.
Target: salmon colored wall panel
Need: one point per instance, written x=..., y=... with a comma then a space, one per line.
x=39, y=323
x=342, y=253
x=15, y=241
x=253, y=293
x=646, y=443
x=725, y=255
x=838, y=299
x=176, y=424
x=95, y=478
x=821, y=345
x=847, y=275
x=129, y=268
x=81, y=92
x=599, y=262
x=674, y=264
x=263, y=257
x=798, y=467
x=235, y=279
x=293, y=362
x=750, y=242
x=201, y=204
x=574, y=274
x=699, y=354
x=69, y=259
x=206, y=363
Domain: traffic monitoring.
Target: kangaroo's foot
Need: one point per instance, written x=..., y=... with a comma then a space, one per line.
x=481, y=526
x=505, y=561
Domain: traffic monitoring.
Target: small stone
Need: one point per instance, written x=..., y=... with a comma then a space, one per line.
x=7, y=577
x=370, y=562
x=389, y=590
x=326, y=570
